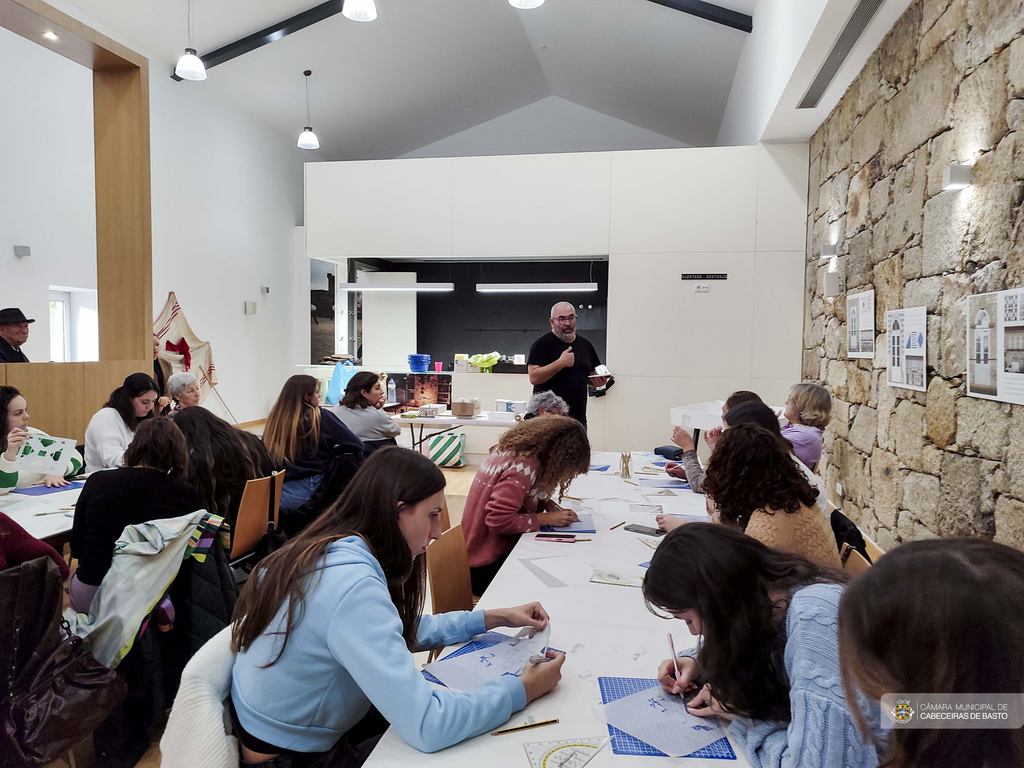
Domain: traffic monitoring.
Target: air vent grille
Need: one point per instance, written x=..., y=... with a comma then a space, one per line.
x=855, y=26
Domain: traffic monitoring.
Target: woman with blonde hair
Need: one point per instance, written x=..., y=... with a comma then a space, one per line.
x=809, y=410
x=511, y=492
x=305, y=439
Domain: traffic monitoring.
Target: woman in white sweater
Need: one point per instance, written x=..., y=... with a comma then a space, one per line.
x=14, y=433
x=361, y=410
x=112, y=428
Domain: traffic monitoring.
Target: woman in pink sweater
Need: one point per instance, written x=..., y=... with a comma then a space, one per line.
x=511, y=490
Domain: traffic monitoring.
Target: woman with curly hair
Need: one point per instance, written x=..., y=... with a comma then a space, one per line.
x=511, y=490
x=753, y=484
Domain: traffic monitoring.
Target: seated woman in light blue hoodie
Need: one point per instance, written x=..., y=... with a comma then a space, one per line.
x=326, y=626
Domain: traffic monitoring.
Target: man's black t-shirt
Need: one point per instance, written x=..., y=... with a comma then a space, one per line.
x=570, y=384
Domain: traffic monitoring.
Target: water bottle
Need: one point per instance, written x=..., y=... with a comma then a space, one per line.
x=392, y=389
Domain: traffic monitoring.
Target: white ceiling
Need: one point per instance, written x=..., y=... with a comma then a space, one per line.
x=427, y=69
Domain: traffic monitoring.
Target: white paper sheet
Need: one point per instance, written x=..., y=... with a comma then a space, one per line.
x=661, y=720
x=471, y=670
x=46, y=455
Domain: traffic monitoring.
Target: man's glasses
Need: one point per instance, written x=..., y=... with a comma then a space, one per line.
x=564, y=320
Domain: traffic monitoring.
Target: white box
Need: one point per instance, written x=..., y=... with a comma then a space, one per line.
x=510, y=406
x=699, y=416
x=461, y=366
x=431, y=410
x=502, y=416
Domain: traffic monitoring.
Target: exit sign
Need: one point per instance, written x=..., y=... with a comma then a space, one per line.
x=705, y=276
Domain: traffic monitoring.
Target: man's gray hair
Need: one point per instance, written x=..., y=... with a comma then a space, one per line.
x=560, y=303
x=547, y=400
x=177, y=383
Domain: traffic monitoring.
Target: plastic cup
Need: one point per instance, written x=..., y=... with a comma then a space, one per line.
x=437, y=367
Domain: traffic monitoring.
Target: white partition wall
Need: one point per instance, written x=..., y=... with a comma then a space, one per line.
x=655, y=213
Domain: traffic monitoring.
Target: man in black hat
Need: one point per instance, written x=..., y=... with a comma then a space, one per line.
x=13, y=333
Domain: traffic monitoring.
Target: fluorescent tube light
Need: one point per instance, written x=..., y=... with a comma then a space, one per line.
x=421, y=287
x=535, y=287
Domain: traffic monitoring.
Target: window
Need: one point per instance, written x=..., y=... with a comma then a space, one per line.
x=60, y=326
x=981, y=337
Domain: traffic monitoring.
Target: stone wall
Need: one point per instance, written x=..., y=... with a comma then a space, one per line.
x=946, y=84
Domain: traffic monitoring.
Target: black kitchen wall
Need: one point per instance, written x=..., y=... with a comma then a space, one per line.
x=471, y=322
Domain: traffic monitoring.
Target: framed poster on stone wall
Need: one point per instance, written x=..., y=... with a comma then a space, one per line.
x=906, y=348
x=860, y=324
x=995, y=346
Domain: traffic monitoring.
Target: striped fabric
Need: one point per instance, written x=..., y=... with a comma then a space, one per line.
x=446, y=450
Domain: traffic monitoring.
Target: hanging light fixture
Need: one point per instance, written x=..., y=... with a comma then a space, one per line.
x=363, y=10
x=190, y=66
x=526, y=5
x=308, y=139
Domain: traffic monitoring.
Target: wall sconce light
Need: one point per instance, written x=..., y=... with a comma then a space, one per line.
x=22, y=250
x=833, y=284
x=265, y=290
x=828, y=250
x=250, y=307
x=956, y=176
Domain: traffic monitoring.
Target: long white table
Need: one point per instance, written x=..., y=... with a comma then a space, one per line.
x=448, y=423
x=43, y=516
x=606, y=631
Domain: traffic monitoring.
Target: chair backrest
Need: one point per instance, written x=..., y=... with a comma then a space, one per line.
x=874, y=551
x=446, y=521
x=853, y=561
x=254, y=513
x=448, y=573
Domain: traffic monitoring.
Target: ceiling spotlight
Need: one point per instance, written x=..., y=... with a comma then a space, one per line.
x=308, y=139
x=190, y=66
x=361, y=10
x=50, y=36
x=526, y=5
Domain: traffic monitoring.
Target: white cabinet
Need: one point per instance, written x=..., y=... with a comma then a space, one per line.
x=536, y=205
x=379, y=208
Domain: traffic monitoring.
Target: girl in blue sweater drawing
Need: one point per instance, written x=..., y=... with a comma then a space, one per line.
x=326, y=626
x=768, y=661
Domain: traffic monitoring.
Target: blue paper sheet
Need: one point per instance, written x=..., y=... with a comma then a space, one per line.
x=664, y=482
x=584, y=525
x=600, y=467
x=42, y=490
x=613, y=688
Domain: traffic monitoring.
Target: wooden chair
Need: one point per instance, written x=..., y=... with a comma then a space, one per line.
x=446, y=521
x=853, y=561
x=260, y=499
x=874, y=551
x=448, y=574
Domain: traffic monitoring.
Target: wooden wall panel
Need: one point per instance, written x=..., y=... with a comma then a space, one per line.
x=54, y=393
x=123, y=225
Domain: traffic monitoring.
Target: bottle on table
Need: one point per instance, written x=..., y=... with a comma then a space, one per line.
x=392, y=390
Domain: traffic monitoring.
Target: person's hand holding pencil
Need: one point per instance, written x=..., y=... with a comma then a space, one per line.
x=539, y=679
x=676, y=674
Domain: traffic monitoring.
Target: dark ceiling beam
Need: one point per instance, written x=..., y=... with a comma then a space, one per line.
x=711, y=12
x=270, y=34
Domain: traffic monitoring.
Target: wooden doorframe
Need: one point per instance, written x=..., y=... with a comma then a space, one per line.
x=124, y=239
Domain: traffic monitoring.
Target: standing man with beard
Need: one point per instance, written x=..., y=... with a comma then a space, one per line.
x=563, y=362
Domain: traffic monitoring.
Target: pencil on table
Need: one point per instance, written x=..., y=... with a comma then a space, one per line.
x=632, y=483
x=574, y=498
x=524, y=727
x=617, y=525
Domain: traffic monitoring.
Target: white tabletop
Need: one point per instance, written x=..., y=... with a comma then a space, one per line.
x=42, y=516
x=447, y=420
x=606, y=631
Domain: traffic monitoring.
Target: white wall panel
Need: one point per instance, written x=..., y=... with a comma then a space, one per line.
x=684, y=200
x=546, y=205
x=781, y=197
x=379, y=208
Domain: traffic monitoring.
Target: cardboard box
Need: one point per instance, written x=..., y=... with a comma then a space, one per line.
x=463, y=410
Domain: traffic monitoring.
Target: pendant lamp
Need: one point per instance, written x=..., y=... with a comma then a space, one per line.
x=190, y=66
x=308, y=139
